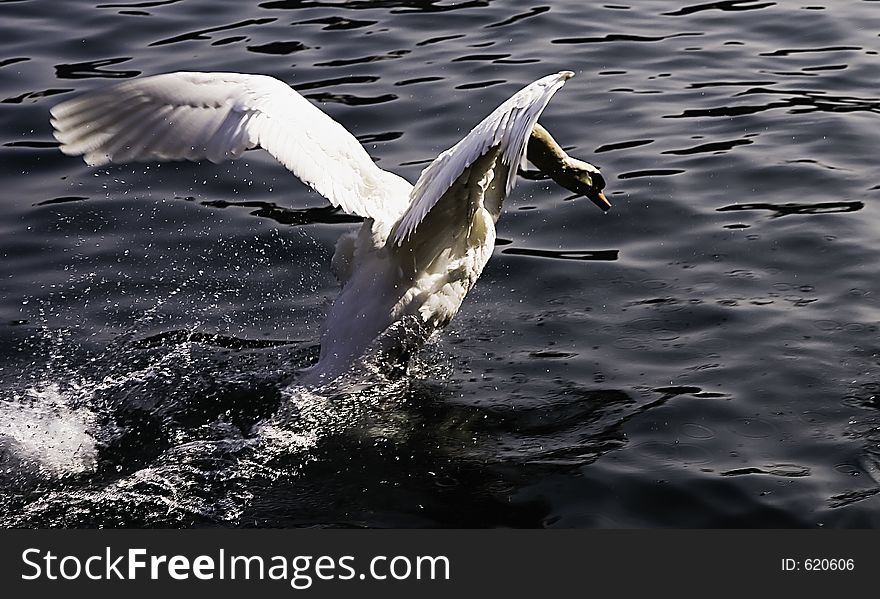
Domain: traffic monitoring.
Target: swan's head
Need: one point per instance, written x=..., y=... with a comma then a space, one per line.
x=585, y=179
x=576, y=175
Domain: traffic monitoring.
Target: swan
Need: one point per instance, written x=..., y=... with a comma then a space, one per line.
x=405, y=272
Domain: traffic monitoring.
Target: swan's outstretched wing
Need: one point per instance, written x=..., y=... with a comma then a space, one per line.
x=506, y=131
x=218, y=116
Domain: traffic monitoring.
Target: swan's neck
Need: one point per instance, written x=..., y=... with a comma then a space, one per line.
x=545, y=153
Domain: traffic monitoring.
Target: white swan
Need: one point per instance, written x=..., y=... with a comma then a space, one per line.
x=405, y=272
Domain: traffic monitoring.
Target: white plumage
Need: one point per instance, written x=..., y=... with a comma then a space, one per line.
x=406, y=271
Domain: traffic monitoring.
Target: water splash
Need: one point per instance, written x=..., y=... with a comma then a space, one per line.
x=45, y=433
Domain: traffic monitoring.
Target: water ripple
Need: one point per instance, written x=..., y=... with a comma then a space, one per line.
x=480, y=57
x=351, y=99
x=394, y=54
x=338, y=23
x=790, y=51
x=724, y=5
x=328, y=215
x=94, y=69
x=656, y=172
x=480, y=84
x=278, y=48
x=516, y=18
x=442, y=38
x=334, y=81
x=201, y=34
x=792, y=208
x=9, y=61
x=622, y=37
x=62, y=200
x=36, y=95
x=802, y=102
x=148, y=4
x=783, y=470
x=394, y=6
x=623, y=145
x=603, y=255
x=709, y=84
x=715, y=147
x=851, y=497
x=416, y=80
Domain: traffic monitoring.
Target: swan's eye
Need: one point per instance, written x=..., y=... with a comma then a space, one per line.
x=598, y=180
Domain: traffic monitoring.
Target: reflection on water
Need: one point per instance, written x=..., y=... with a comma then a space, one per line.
x=689, y=359
x=787, y=209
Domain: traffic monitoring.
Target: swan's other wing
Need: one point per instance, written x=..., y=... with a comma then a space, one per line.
x=507, y=129
x=192, y=116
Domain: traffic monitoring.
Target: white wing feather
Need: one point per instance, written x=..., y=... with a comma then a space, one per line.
x=508, y=127
x=192, y=116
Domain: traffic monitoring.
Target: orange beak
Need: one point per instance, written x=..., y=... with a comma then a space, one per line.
x=600, y=200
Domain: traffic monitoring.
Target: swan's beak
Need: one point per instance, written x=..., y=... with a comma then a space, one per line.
x=598, y=198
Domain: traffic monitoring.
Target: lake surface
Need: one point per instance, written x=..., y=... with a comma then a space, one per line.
x=703, y=355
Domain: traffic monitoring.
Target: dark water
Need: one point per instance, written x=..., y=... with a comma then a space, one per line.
x=704, y=355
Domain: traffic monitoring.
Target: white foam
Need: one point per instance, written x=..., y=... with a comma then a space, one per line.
x=43, y=431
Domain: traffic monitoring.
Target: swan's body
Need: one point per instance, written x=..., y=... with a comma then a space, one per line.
x=406, y=271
